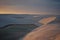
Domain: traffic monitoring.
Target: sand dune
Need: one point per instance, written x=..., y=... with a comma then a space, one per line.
x=45, y=32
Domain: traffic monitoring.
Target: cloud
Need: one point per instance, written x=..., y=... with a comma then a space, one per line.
x=49, y=6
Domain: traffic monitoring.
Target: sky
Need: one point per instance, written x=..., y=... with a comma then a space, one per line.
x=30, y=7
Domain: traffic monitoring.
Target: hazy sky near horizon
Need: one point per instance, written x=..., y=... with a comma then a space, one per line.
x=30, y=6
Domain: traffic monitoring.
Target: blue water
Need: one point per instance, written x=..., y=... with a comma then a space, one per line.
x=22, y=19
x=18, y=32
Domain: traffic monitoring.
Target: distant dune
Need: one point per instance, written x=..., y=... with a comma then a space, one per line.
x=45, y=32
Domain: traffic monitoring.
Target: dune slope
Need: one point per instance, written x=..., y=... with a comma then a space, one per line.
x=45, y=32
